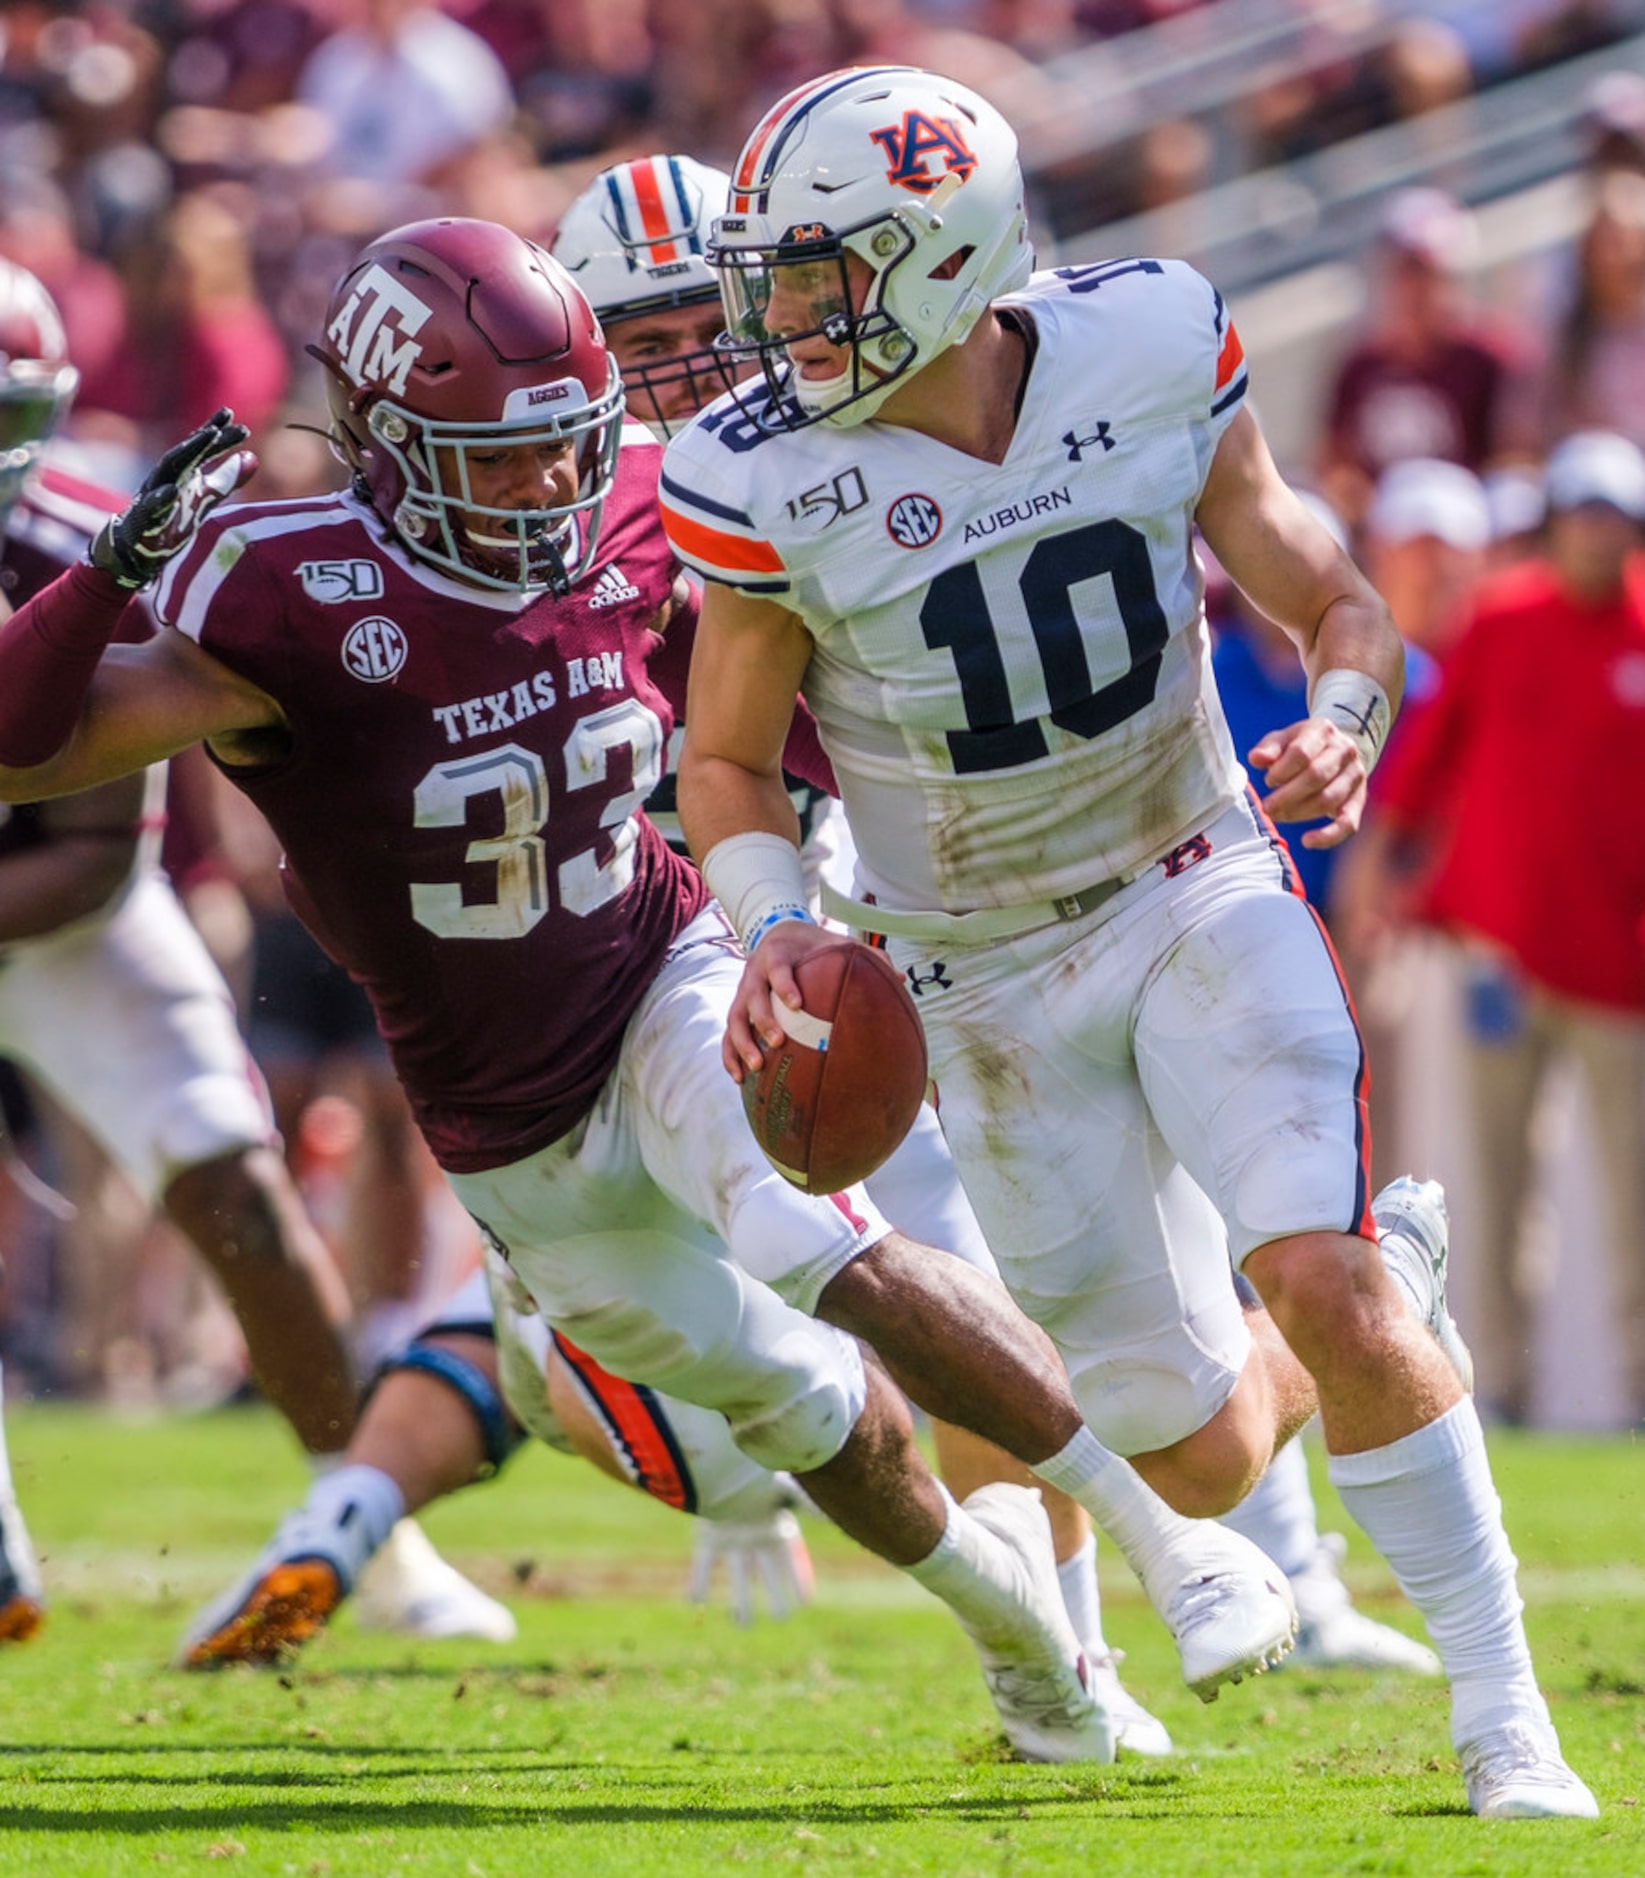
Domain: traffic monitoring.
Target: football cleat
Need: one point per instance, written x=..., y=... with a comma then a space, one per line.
x=1135, y=1730
x=1331, y=1634
x=1517, y=1772
x=22, y=1606
x=1039, y=1677
x=1414, y=1231
x=300, y=1577
x=407, y=1587
x=1231, y=1611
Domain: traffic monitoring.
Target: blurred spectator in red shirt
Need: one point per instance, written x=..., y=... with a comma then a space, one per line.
x=1428, y=377
x=1521, y=786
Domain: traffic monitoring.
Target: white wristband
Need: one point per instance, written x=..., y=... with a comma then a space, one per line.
x=758, y=879
x=1356, y=703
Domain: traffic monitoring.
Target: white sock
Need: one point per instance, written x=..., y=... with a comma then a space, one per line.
x=343, y=1495
x=1150, y=1536
x=1428, y=1505
x=1077, y=1577
x=971, y=1571
x=1278, y=1512
x=7, y=1491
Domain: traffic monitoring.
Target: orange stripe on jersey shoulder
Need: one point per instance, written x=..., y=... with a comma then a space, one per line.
x=719, y=549
x=1230, y=358
x=634, y=1420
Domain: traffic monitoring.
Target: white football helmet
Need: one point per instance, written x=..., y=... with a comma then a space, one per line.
x=37, y=383
x=635, y=241
x=913, y=174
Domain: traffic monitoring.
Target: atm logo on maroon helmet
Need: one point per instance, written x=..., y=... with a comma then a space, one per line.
x=910, y=146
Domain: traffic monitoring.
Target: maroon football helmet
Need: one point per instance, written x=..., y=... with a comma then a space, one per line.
x=37, y=383
x=451, y=336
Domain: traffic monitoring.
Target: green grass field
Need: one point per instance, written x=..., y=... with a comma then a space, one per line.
x=627, y=1732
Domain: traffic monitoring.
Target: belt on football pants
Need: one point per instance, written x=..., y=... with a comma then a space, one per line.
x=979, y=928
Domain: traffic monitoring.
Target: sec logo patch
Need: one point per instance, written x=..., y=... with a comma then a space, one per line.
x=913, y=521
x=374, y=650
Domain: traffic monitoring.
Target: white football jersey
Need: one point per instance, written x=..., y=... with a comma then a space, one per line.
x=1020, y=648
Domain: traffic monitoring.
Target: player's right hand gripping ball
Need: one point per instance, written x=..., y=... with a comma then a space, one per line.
x=176, y=496
x=832, y=1101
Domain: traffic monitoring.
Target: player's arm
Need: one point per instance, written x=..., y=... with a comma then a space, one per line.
x=135, y=706
x=73, y=711
x=750, y=657
x=89, y=845
x=1287, y=565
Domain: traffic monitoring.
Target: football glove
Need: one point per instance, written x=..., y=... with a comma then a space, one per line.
x=767, y=1553
x=177, y=495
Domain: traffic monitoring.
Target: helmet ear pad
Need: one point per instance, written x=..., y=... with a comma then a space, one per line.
x=454, y=335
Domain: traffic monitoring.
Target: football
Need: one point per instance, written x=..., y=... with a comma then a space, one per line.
x=836, y=1097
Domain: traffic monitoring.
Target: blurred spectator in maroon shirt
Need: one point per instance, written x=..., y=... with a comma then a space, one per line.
x=197, y=335
x=581, y=69
x=1428, y=378
x=1595, y=371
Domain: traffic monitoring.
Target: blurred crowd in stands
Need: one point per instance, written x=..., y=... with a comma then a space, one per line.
x=188, y=178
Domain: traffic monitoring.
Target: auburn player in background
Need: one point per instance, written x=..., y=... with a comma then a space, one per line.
x=957, y=507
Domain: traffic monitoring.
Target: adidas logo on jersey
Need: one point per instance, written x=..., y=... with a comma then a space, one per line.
x=612, y=588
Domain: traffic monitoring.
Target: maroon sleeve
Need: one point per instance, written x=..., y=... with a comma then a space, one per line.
x=803, y=754
x=669, y=666
x=49, y=650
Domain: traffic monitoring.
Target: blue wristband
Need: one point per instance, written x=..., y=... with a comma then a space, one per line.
x=752, y=938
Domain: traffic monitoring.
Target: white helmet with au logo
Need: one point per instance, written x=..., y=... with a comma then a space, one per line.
x=914, y=175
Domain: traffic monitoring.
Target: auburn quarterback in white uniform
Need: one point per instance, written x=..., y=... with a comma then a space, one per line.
x=959, y=513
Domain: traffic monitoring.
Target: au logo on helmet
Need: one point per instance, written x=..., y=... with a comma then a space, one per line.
x=910, y=145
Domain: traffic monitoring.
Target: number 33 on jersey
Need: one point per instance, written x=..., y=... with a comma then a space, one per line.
x=1040, y=616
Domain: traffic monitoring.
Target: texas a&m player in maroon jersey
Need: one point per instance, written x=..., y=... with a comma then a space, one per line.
x=449, y=689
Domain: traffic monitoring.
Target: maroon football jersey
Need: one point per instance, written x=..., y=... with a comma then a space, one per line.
x=460, y=801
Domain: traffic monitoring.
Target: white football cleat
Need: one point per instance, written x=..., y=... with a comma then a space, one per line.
x=1231, y=1610
x=407, y=1587
x=300, y=1577
x=1039, y=1678
x=1135, y=1730
x=1415, y=1242
x=1517, y=1772
x=1331, y=1634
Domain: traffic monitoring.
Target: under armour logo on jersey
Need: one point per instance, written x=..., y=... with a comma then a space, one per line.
x=375, y=650
x=375, y=332
x=936, y=979
x=1077, y=446
x=909, y=145
x=914, y=521
x=612, y=588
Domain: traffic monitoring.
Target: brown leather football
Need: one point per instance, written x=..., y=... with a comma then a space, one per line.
x=832, y=1101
